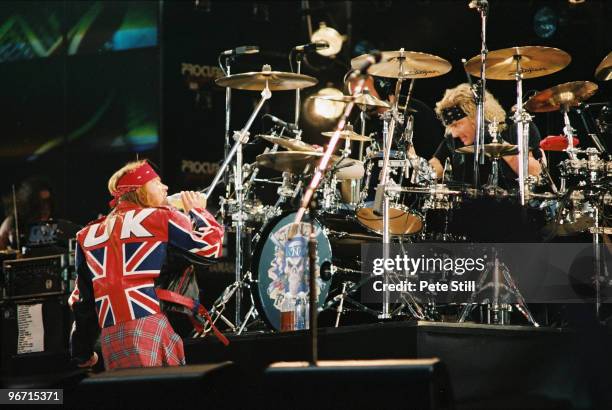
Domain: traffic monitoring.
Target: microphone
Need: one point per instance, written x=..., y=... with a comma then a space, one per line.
x=372, y=58
x=317, y=45
x=241, y=50
x=276, y=120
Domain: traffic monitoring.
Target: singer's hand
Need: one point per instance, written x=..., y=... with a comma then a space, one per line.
x=192, y=200
x=91, y=362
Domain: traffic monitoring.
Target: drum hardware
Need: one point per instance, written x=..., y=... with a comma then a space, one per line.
x=603, y=72
x=502, y=280
x=264, y=81
x=518, y=63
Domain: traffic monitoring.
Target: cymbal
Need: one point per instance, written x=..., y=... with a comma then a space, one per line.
x=415, y=65
x=289, y=143
x=348, y=134
x=561, y=96
x=492, y=150
x=603, y=71
x=276, y=81
x=535, y=61
x=556, y=143
x=289, y=161
x=365, y=99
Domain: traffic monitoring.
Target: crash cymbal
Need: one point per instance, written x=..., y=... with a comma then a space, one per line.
x=563, y=95
x=365, y=99
x=603, y=71
x=535, y=61
x=348, y=134
x=492, y=150
x=414, y=65
x=289, y=143
x=289, y=161
x=276, y=80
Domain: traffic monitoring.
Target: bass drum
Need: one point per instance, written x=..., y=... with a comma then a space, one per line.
x=281, y=266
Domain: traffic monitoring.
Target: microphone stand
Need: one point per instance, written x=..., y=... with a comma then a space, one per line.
x=479, y=155
x=228, y=113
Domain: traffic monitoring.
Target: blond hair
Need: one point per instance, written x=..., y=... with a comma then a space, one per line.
x=463, y=97
x=139, y=196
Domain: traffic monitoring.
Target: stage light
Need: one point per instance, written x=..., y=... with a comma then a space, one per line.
x=576, y=1
x=333, y=38
x=329, y=110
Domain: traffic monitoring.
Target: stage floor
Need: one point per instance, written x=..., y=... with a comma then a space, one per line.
x=487, y=364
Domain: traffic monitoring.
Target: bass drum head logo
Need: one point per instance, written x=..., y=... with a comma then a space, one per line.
x=284, y=268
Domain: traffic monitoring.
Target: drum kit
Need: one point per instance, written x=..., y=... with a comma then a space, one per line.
x=390, y=194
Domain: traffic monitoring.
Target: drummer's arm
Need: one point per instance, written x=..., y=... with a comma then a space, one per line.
x=437, y=166
x=533, y=166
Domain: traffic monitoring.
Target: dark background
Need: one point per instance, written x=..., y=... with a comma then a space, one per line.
x=87, y=86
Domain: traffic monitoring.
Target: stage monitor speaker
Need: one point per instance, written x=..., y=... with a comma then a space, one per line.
x=34, y=335
x=357, y=384
x=176, y=387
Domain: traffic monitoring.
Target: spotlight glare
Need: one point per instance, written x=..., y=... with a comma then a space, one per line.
x=325, y=108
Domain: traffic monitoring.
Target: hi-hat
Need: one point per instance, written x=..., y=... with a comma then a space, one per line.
x=348, y=135
x=275, y=80
x=492, y=150
x=561, y=96
x=413, y=65
x=365, y=99
x=289, y=143
x=535, y=61
x=289, y=161
x=603, y=71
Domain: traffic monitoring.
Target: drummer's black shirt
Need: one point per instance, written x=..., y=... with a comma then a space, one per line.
x=463, y=164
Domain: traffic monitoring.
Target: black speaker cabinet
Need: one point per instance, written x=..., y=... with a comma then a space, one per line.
x=21, y=352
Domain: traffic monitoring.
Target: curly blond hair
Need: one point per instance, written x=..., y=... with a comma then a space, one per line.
x=463, y=97
x=139, y=196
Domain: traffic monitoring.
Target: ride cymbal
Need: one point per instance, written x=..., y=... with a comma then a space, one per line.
x=348, y=134
x=275, y=80
x=289, y=161
x=405, y=64
x=289, y=143
x=603, y=71
x=365, y=99
x=535, y=61
x=561, y=96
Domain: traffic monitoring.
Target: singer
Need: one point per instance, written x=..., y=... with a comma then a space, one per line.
x=119, y=260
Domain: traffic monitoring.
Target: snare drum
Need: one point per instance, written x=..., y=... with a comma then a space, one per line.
x=402, y=220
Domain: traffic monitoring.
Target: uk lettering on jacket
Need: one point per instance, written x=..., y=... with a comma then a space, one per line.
x=124, y=254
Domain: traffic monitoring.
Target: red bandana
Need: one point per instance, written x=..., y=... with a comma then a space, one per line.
x=132, y=180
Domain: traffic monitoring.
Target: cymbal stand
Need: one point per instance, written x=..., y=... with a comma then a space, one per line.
x=568, y=131
x=241, y=138
x=483, y=9
x=498, y=310
x=522, y=119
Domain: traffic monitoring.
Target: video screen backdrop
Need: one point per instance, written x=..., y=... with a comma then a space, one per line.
x=80, y=95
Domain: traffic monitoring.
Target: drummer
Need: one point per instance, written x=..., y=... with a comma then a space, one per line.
x=457, y=112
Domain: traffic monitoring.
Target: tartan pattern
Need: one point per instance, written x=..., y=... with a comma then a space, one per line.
x=146, y=342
